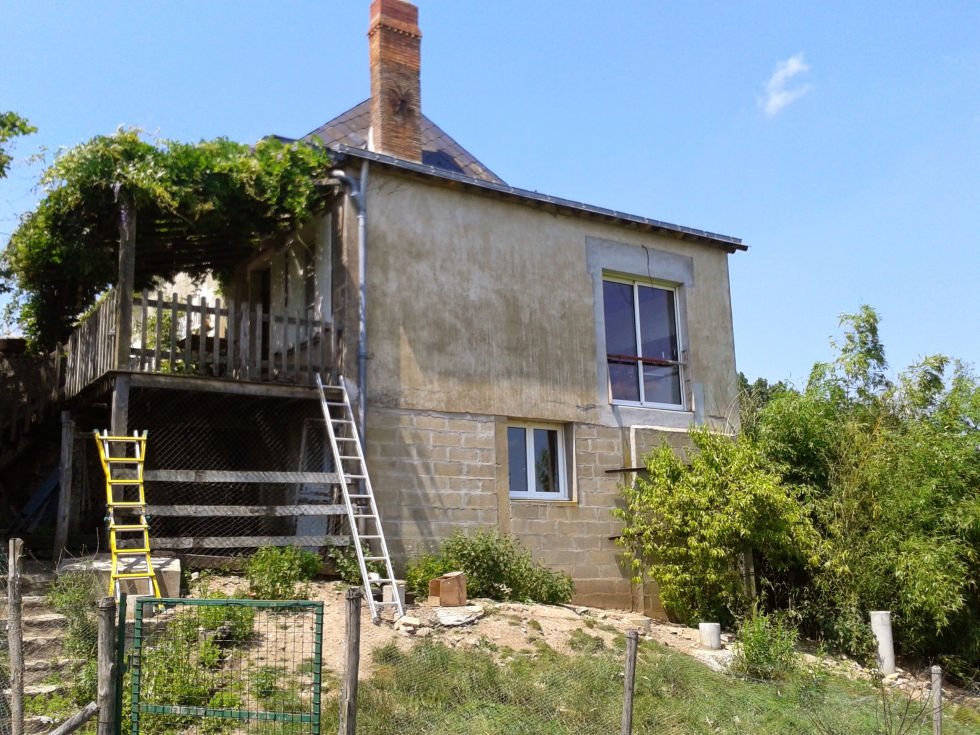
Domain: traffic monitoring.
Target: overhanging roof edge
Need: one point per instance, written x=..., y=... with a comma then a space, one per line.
x=731, y=244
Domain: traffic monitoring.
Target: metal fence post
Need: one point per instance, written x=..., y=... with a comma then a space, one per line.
x=15, y=637
x=629, y=681
x=937, y=700
x=348, y=691
x=106, y=667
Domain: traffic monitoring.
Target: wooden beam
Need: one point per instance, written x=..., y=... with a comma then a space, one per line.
x=243, y=476
x=266, y=511
x=235, y=542
x=215, y=385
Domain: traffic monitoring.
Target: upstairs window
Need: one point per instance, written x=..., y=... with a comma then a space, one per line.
x=536, y=462
x=642, y=343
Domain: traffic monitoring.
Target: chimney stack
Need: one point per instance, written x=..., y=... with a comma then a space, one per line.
x=396, y=97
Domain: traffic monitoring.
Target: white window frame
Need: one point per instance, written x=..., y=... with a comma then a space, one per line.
x=564, y=485
x=681, y=378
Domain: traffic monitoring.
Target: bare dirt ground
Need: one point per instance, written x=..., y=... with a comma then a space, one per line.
x=521, y=627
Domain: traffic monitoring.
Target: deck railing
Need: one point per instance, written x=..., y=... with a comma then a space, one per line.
x=227, y=340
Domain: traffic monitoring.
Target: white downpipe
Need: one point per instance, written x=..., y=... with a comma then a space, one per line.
x=357, y=192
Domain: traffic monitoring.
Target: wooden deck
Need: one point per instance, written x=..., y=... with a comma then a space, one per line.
x=226, y=341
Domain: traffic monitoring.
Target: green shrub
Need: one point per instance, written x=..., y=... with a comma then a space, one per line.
x=424, y=568
x=496, y=566
x=765, y=647
x=273, y=572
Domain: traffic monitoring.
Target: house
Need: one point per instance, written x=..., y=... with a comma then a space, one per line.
x=512, y=355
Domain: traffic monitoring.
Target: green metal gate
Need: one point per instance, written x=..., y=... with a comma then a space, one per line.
x=225, y=666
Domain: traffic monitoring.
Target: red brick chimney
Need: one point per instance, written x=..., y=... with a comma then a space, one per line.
x=396, y=97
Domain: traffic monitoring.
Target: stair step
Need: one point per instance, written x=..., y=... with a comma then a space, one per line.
x=42, y=619
x=34, y=690
x=33, y=601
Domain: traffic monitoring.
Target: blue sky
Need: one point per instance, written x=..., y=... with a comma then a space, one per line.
x=841, y=141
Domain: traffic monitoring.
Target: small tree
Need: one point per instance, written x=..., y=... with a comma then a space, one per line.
x=689, y=524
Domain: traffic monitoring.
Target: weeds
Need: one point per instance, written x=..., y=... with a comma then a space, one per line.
x=75, y=595
x=275, y=572
x=765, y=647
x=345, y=563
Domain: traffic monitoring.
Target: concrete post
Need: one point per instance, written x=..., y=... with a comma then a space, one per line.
x=881, y=627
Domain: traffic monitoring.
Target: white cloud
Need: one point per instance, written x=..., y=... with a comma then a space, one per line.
x=778, y=95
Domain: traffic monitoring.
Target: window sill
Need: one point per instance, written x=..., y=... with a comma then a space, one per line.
x=656, y=406
x=563, y=503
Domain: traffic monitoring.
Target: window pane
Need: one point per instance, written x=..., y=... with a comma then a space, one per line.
x=624, y=380
x=662, y=384
x=517, y=458
x=624, y=375
x=546, y=460
x=658, y=327
x=619, y=316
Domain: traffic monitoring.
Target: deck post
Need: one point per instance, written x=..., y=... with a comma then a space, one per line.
x=65, y=498
x=120, y=406
x=124, y=307
x=127, y=277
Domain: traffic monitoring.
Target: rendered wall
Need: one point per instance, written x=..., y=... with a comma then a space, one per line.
x=482, y=310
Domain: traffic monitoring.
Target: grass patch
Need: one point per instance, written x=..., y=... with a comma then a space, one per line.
x=435, y=689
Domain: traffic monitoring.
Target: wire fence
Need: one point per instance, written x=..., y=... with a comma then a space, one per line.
x=223, y=666
x=207, y=664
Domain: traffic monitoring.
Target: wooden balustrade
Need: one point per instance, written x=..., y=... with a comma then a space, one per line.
x=222, y=339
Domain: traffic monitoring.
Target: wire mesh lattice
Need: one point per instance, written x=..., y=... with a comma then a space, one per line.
x=228, y=666
x=228, y=433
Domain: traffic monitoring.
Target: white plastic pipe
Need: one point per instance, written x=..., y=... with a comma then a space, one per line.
x=881, y=627
x=710, y=635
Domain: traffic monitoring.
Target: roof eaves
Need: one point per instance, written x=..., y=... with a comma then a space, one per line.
x=728, y=243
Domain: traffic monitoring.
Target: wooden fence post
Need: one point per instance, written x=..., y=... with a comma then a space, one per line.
x=15, y=637
x=629, y=681
x=348, y=691
x=106, y=667
x=937, y=700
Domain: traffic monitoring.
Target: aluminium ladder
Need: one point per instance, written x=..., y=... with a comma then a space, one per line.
x=355, y=485
x=129, y=533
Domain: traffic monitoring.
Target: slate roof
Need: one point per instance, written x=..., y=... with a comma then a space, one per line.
x=438, y=149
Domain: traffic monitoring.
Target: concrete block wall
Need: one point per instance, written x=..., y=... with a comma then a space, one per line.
x=434, y=473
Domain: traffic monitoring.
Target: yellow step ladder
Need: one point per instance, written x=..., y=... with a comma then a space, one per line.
x=129, y=533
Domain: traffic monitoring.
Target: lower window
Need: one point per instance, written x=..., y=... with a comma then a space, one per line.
x=536, y=461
